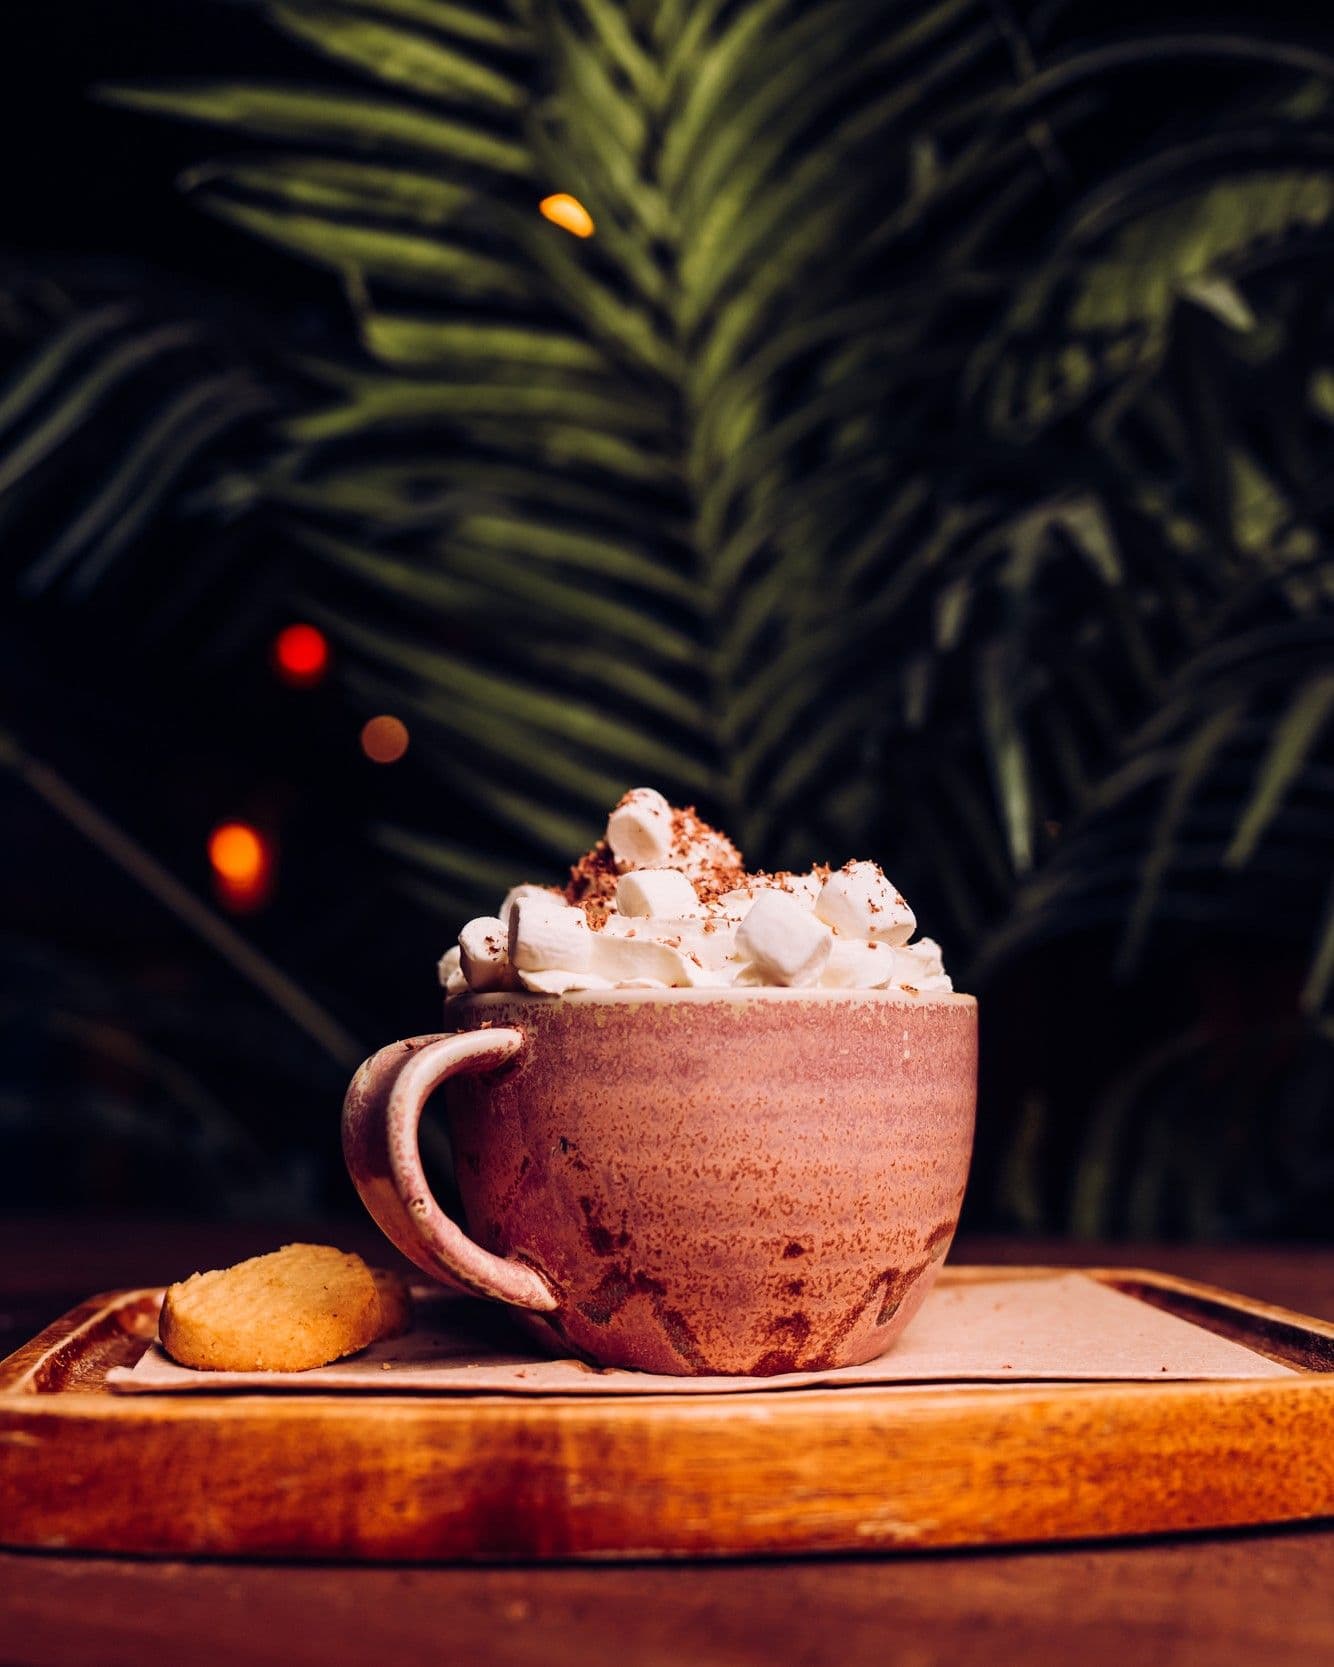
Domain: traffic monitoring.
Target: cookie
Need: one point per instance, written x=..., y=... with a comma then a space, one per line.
x=395, y=1303
x=301, y=1306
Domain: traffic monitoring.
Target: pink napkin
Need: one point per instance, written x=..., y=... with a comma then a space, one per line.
x=1046, y=1328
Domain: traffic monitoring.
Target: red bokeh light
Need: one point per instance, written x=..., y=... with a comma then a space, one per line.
x=242, y=860
x=301, y=655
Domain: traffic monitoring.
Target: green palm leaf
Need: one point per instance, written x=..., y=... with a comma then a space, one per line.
x=882, y=469
x=101, y=418
x=1116, y=289
x=595, y=393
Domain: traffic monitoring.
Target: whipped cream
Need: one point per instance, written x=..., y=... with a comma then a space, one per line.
x=665, y=902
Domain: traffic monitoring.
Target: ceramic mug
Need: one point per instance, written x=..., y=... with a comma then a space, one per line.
x=693, y=1182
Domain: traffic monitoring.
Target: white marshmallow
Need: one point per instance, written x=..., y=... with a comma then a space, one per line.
x=844, y=931
x=484, y=957
x=735, y=904
x=620, y=926
x=656, y=891
x=712, y=942
x=783, y=942
x=513, y=895
x=710, y=938
x=923, y=968
x=859, y=902
x=859, y=964
x=804, y=888
x=547, y=935
x=556, y=981
x=639, y=830
x=447, y=966
x=621, y=959
x=705, y=854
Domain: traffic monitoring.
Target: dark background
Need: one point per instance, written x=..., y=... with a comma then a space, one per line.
x=1182, y=1091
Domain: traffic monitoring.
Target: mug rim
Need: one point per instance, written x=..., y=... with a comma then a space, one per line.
x=674, y=995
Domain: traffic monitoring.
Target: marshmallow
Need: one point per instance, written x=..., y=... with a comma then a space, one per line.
x=484, y=957
x=711, y=942
x=630, y=961
x=783, y=942
x=710, y=938
x=513, y=895
x=626, y=926
x=802, y=888
x=856, y=964
x=842, y=931
x=735, y=904
x=639, y=830
x=557, y=982
x=656, y=891
x=859, y=902
x=921, y=966
x=705, y=854
x=622, y=959
x=805, y=888
x=548, y=935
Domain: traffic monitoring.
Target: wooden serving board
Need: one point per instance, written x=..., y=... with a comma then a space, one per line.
x=502, y=1477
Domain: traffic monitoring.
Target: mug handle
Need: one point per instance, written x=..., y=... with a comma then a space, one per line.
x=381, y=1115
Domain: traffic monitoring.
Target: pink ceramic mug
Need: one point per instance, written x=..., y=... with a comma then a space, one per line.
x=684, y=1181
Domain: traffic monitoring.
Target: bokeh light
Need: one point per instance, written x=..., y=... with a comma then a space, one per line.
x=242, y=863
x=384, y=740
x=301, y=655
x=568, y=213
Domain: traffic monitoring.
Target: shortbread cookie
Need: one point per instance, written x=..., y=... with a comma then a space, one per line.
x=301, y=1306
x=395, y=1304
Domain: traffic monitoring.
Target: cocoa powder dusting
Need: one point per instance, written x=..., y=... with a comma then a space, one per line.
x=709, y=858
x=592, y=884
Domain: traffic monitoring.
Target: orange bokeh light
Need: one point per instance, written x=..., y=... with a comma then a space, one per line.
x=242, y=863
x=237, y=853
x=301, y=655
x=568, y=213
x=384, y=740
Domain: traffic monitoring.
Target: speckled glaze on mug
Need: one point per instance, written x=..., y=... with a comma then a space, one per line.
x=685, y=1181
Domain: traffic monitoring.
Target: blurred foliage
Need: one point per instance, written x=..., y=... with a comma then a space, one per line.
x=925, y=458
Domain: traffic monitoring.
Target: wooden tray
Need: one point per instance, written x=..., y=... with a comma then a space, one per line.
x=765, y=1473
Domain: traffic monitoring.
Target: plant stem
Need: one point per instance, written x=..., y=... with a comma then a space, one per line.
x=126, y=852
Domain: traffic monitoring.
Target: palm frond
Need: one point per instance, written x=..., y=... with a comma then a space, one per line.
x=105, y=411
x=1112, y=286
x=925, y=451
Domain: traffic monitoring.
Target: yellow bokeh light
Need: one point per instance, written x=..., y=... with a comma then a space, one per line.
x=568, y=213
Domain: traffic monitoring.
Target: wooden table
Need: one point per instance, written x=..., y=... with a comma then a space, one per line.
x=1226, y=1599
